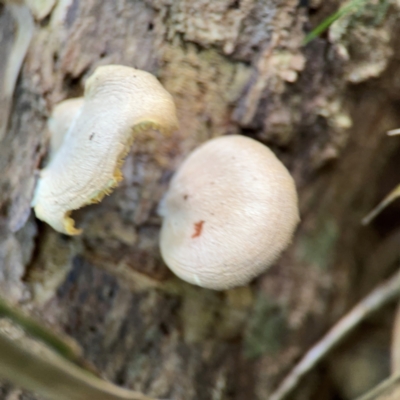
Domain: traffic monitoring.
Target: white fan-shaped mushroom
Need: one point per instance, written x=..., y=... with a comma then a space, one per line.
x=61, y=120
x=230, y=210
x=119, y=101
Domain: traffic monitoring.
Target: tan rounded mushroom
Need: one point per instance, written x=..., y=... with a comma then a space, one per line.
x=119, y=101
x=230, y=211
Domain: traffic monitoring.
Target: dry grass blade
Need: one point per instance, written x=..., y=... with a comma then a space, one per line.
x=392, y=196
x=25, y=29
x=51, y=376
x=395, y=348
x=387, y=390
x=63, y=345
x=383, y=294
x=388, y=199
x=394, y=132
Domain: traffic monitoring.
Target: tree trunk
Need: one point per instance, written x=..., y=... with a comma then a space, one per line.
x=232, y=67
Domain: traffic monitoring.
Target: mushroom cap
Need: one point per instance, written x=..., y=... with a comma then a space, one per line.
x=60, y=121
x=119, y=102
x=230, y=210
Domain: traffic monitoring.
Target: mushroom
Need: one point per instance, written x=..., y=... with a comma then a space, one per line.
x=118, y=102
x=230, y=211
x=62, y=118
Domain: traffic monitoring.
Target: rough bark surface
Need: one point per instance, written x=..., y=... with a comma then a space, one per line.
x=232, y=67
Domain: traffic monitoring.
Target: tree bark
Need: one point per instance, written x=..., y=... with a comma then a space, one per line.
x=232, y=67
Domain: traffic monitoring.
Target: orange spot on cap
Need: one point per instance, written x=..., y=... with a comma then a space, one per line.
x=198, y=228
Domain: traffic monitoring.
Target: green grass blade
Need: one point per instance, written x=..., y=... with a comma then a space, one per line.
x=327, y=22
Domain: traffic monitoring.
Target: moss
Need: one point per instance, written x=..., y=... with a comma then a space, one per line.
x=317, y=247
x=266, y=328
